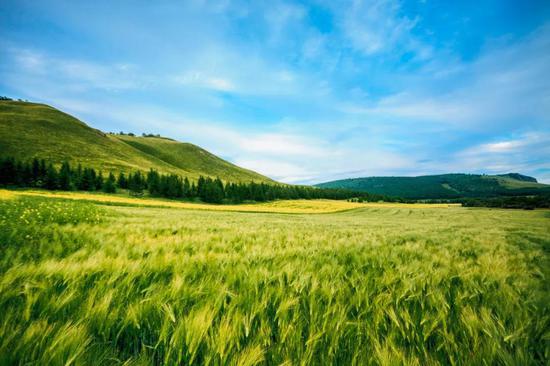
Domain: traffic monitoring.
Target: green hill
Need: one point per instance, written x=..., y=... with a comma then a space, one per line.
x=29, y=130
x=445, y=186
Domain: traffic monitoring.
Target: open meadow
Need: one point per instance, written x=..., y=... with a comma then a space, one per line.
x=84, y=283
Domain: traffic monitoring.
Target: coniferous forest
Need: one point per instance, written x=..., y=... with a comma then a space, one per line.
x=38, y=173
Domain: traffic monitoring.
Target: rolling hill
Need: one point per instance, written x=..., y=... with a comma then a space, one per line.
x=29, y=130
x=444, y=186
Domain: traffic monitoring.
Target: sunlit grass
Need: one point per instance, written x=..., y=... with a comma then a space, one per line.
x=6, y=194
x=280, y=206
x=386, y=285
x=284, y=206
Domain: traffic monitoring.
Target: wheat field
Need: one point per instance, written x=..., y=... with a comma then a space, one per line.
x=89, y=284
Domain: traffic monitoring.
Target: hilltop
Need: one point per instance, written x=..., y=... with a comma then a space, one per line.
x=444, y=186
x=29, y=130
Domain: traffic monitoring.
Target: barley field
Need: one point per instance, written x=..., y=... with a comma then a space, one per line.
x=83, y=283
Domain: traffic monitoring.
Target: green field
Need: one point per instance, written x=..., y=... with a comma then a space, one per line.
x=89, y=284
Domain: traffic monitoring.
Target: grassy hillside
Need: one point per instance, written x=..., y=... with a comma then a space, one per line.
x=83, y=284
x=30, y=130
x=444, y=186
x=189, y=158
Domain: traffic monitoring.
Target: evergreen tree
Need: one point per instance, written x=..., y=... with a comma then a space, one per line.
x=43, y=168
x=122, y=182
x=135, y=184
x=50, y=179
x=78, y=177
x=194, y=190
x=87, y=180
x=210, y=190
x=200, y=187
x=24, y=173
x=65, y=177
x=220, y=187
x=7, y=171
x=187, y=189
x=36, y=173
x=110, y=184
x=92, y=178
x=153, y=183
x=99, y=182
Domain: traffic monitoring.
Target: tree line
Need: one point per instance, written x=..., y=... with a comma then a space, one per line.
x=515, y=202
x=38, y=173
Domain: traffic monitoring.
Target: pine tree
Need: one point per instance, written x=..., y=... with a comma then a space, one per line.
x=7, y=171
x=65, y=177
x=92, y=178
x=210, y=191
x=135, y=184
x=110, y=184
x=87, y=180
x=78, y=177
x=122, y=182
x=99, y=181
x=42, y=169
x=201, y=186
x=36, y=174
x=25, y=174
x=186, y=192
x=219, y=183
x=193, y=191
x=153, y=183
x=50, y=179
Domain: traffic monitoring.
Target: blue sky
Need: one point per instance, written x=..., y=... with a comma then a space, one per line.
x=303, y=92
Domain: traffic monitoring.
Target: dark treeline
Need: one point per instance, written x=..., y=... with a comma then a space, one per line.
x=39, y=174
x=518, y=202
x=530, y=202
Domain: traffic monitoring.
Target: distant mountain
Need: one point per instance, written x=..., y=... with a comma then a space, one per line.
x=518, y=176
x=444, y=186
x=29, y=130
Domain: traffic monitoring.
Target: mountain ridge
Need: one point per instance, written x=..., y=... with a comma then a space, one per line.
x=29, y=130
x=444, y=186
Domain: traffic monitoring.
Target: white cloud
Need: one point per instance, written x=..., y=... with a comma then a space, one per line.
x=30, y=60
x=198, y=79
x=279, y=170
x=377, y=27
x=528, y=142
x=280, y=17
x=506, y=83
x=528, y=152
x=282, y=144
x=504, y=146
x=74, y=73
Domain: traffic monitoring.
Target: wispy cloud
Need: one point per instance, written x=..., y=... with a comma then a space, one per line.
x=205, y=81
x=506, y=83
x=76, y=73
x=376, y=26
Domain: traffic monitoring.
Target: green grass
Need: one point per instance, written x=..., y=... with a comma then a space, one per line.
x=278, y=206
x=82, y=284
x=444, y=186
x=30, y=130
x=190, y=159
